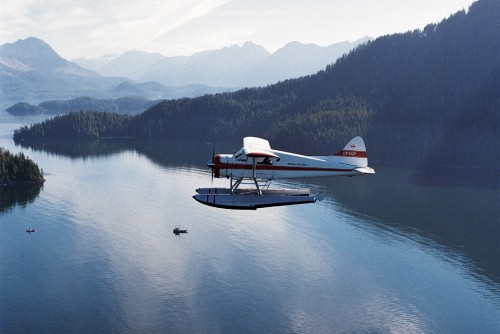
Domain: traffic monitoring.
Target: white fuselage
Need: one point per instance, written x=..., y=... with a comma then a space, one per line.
x=288, y=165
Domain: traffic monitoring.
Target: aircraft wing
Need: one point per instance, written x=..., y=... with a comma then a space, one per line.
x=257, y=148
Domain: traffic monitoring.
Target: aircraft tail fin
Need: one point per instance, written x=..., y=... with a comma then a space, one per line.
x=354, y=154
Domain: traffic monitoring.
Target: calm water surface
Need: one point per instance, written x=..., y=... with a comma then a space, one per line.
x=388, y=253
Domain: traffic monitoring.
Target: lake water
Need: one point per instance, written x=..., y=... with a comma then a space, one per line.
x=391, y=252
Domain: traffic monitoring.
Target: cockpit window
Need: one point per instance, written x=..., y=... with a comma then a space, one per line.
x=238, y=154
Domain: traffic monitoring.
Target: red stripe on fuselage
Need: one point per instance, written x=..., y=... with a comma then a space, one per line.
x=352, y=154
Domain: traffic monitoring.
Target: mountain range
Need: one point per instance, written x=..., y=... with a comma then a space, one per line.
x=31, y=71
x=235, y=66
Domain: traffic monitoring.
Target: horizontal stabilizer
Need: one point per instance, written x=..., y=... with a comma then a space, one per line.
x=365, y=170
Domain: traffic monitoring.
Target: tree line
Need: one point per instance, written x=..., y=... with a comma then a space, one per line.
x=125, y=105
x=76, y=125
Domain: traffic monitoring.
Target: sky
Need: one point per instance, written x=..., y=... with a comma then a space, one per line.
x=93, y=28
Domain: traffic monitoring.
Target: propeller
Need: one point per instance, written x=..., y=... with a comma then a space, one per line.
x=211, y=163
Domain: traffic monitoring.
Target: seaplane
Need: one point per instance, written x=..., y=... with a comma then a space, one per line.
x=251, y=170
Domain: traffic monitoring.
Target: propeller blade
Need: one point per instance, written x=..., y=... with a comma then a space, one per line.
x=211, y=163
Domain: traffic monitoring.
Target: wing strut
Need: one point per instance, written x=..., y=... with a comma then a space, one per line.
x=254, y=175
x=236, y=184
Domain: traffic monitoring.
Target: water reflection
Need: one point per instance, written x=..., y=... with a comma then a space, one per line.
x=23, y=195
x=164, y=153
x=80, y=149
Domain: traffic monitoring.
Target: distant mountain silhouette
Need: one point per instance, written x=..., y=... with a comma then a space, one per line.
x=33, y=54
x=296, y=60
x=31, y=71
x=235, y=66
x=124, y=65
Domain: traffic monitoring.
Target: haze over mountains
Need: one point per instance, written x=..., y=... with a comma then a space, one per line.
x=236, y=66
x=31, y=71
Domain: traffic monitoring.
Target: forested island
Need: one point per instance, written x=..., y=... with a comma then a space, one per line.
x=125, y=105
x=18, y=170
x=427, y=97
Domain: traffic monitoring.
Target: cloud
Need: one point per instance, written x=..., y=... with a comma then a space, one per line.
x=275, y=23
x=92, y=28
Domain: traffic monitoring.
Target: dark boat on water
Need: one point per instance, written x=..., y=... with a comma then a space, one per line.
x=178, y=231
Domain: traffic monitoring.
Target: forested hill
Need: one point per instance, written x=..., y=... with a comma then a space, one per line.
x=427, y=96
x=436, y=90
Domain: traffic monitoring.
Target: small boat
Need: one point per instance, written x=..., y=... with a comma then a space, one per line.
x=178, y=231
x=30, y=230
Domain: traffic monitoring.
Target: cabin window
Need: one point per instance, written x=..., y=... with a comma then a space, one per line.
x=265, y=161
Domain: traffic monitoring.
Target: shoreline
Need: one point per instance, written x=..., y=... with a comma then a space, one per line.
x=12, y=184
